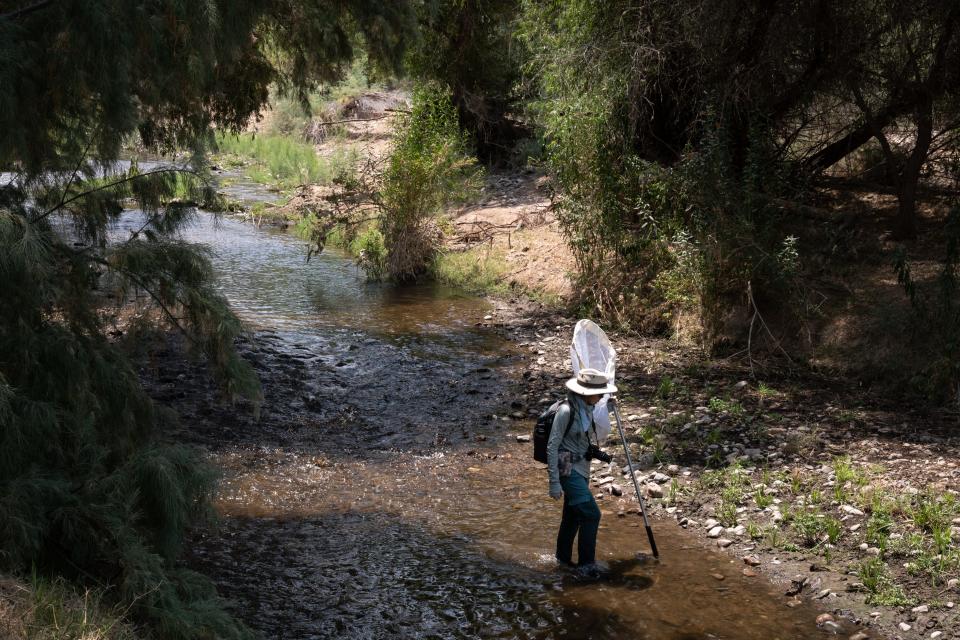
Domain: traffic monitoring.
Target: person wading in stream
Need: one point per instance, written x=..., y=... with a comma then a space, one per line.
x=569, y=452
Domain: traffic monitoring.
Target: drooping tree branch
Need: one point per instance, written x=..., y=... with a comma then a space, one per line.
x=19, y=13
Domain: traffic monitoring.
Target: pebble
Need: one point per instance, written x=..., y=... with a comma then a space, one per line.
x=904, y=626
x=824, y=617
x=752, y=560
x=853, y=511
x=750, y=573
x=950, y=605
x=936, y=634
x=718, y=576
x=723, y=543
x=715, y=532
x=921, y=609
x=523, y=438
x=616, y=489
x=738, y=530
x=710, y=523
x=952, y=583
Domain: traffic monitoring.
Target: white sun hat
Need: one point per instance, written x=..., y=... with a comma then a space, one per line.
x=590, y=382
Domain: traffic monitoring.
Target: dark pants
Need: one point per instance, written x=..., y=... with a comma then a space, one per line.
x=583, y=517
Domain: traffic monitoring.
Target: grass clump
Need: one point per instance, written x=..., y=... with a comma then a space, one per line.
x=477, y=270
x=285, y=162
x=882, y=590
x=810, y=527
x=54, y=610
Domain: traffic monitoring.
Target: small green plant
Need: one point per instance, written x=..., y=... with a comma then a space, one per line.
x=715, y=460
x=754, y=531
x=816, y=495
x=665, y=388
x=882, y=590
x=843, y=470
x=371, y=253
x=931, y=511
x=834, y=529
x=765, y=392
x=674, y=493
x=840, y=494
x=731, y=407
x=797, y=482
x=774, y=536
x=762, y=498
x=879, y=526
x=809, y=527
x=727, y=513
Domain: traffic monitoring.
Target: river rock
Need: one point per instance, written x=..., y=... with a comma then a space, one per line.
x=710, y=523
x=616, y=489
x=653, y=490
x=921, y=609
x=660, y=478
x=824, y=617
x=952, y=583
x=723, y=543
x=715, y=532
x=851, y=510
x=904, y=626
x=523, y=438
x=753, y=560
x=935, y=635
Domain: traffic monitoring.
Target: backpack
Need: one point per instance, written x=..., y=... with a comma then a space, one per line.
x=541, y=432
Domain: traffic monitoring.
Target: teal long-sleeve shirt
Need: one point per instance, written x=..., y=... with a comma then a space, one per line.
x=575, y=440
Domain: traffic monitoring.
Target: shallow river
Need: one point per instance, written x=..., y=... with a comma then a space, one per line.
x=376, y=498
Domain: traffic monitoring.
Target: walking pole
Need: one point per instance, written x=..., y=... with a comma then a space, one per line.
x=633, y=476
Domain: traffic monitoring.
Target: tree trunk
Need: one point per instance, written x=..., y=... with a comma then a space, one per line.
x=906, y=224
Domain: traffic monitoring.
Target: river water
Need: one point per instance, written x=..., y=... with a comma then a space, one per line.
x=375, y=497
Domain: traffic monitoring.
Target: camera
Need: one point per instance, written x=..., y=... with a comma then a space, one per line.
x=596, y=453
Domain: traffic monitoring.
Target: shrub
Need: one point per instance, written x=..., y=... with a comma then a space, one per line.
x=430, y=167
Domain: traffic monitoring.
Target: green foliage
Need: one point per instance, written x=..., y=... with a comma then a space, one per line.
x=469, y=46
x=665, y=387
x=762, y=498
x=478, y=270
x=430, y=168
x=278, y=160
x=882, y=590
x=88, y=488
x=809, y=527
x=668, y=213
x=371, y=253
